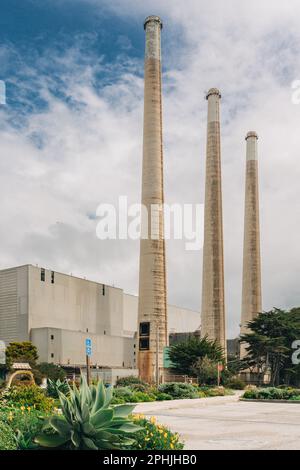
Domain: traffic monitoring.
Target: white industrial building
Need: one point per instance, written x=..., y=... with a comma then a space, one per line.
x=58, y=312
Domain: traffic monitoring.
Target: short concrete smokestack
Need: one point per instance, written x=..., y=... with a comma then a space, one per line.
x=213, y=303
x=251, y=291
x=152, y=312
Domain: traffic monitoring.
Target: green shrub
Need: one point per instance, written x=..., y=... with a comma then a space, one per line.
x=51, y=371
x=235, y=383
x=272, y=393
x=130, y=380
x=160, y=396
x=123, y=393
x=142, y=397
x=154, y=436
x=29, y=396
x=7, y=438
x=139, y=387
x=127, y=395
x=25, y=424
x=179, y=390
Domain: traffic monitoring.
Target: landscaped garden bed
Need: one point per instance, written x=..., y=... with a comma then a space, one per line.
x=273, y=394
x=133, y=390
x=82, y=418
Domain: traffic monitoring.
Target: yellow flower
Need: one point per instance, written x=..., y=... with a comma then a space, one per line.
x=166, y=434
x=22, y=408
x=29, y=408
x=172, y=446
x=152, y=420
x=10, y=416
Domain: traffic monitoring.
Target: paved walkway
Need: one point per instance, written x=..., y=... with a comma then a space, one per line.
x=227, y=423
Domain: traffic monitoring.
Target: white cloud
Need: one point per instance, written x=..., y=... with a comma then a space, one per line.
x=92, y=153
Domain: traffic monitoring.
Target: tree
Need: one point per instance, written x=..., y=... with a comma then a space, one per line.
x=206, y=371
x=184, y=355
x=269, y=344
x=21, y=352
x=51, y=371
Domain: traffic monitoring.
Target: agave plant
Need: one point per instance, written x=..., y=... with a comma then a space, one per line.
x=88, y=421
x=53, y=387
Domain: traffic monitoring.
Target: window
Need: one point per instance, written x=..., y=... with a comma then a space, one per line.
x=52, y=336
x=144, y=344
x=52, y=355
x=52, y=277
x=103, y=289
x=145, y=328
x=43, y=274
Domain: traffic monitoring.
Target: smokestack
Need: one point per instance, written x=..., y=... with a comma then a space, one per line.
x=213, y=303
x=251, y=292
x=152, y=310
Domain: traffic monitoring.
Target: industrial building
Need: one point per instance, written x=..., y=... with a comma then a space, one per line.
x=58, y=312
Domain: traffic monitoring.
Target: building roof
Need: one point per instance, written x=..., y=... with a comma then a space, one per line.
x=21, y=366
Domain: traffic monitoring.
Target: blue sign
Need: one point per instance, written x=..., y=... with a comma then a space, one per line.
x=88, y=347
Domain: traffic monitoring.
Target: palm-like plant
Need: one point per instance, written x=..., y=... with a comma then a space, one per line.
x=88, y=421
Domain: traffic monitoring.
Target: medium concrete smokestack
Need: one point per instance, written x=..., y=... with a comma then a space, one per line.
x=251, y=292
x=213, y=304
x=152, y=313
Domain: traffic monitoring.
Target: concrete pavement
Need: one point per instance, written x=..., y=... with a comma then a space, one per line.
x=226, y=423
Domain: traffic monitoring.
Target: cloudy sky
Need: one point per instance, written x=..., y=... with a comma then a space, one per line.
x=71, y=133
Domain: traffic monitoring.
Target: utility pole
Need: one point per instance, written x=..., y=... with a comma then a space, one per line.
x=88, y=370
x=157, y=354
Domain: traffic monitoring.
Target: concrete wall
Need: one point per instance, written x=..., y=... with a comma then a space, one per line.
x=68, y=347
x=180, y=320
x=14, y=304
x=73, y=309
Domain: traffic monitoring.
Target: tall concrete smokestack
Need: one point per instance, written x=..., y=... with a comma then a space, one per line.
x=152, y=312
x=213, y=304
x=251, y=292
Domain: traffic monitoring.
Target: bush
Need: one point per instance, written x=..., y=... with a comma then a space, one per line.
x=123, y=395
x=51, y=371
x=272, y=393
x=154, y=436
x=206, y=370
x=160, y=396
x=7, y=438
x=130, y=380
x=25, y=424
x=127, y=395
x=139, y=387
x=142, y=397
x=179, y=390
x=29, y=396
x=235, y=383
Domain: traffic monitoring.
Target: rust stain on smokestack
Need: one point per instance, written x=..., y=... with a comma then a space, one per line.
x=251, y=291
x=213, y=302
x=152, y=310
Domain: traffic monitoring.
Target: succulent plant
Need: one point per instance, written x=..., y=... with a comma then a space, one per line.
x=88, y=421
x=53, y=387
